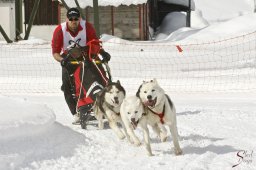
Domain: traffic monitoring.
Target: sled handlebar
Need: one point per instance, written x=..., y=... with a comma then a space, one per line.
x=79, y=62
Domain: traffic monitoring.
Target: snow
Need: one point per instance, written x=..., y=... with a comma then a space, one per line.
x=223, y=30
x=218, y=11
x=115, y=3
x=23, y=123
x=181, y=2
x=37, y=133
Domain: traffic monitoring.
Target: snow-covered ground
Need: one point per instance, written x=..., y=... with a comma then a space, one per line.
x=213, y=128
x=217, y=129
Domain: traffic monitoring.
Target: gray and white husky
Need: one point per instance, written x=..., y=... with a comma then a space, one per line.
x=107, y=104
x=158, y=103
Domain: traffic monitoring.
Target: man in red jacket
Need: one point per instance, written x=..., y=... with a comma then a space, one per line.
x=77, y=32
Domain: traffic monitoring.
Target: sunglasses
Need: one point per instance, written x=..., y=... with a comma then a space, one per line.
x=73, y=19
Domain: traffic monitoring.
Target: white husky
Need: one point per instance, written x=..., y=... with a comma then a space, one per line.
x=108, y=103
x=154, y=98
x=133, y=113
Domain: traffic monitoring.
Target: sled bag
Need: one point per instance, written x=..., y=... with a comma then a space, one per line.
x=91, y=80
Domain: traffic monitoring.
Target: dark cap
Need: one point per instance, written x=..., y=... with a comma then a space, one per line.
x=73, y=12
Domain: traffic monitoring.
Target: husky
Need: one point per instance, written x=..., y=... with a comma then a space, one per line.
x=133, y=114
x=107, y=104
x=157, y=102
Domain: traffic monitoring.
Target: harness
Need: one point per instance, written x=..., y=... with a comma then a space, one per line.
x=161, y=115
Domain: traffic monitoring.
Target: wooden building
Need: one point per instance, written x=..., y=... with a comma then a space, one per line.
x=128, y=22
x=47, y=14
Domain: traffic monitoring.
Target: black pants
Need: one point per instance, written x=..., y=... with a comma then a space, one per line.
x=68, y=88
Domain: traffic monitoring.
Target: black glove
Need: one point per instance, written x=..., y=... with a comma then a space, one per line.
x=105, y=55
x=65, y=61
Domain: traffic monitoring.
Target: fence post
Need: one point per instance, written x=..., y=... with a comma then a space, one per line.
x=188, y=24
x=254, y=6
x=5, y=35
x=18, y=18
x=80, y=9
x=32, y=18
x=96, y=17
x=65, y=5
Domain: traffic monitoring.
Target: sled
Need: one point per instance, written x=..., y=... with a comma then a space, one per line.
x=91, y=74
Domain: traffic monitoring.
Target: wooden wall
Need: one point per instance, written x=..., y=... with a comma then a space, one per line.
x=48, y=12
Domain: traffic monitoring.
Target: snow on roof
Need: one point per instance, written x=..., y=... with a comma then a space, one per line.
x=181, y=2
x=7, y=1
x=83, y=3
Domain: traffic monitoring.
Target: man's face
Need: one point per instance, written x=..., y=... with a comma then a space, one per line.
x=73, y=23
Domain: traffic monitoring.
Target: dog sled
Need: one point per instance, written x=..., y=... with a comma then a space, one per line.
x=88, y=74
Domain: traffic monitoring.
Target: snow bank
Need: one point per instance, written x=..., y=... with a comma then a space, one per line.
x=234, y=27
x=23, y=118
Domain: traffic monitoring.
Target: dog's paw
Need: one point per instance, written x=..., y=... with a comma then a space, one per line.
x=121, y=136
x=137, y=143
x=129, y=140
x=163, y=138
x=100, y=127
x=178, y=152
x=151, y=154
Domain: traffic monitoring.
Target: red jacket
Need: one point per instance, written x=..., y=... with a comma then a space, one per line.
x=57, y=39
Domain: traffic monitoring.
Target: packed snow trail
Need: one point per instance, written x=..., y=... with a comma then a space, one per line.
x=210, y=137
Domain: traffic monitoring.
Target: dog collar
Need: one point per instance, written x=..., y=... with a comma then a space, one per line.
x=112, y=108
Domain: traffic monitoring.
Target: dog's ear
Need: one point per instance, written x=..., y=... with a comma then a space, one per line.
x=118, y=82
x=138, y=92
x=145, y=81
x=123, y=90
x=155, y=81
x=120, y=87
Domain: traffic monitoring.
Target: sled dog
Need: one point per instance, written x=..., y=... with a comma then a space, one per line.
x=107, y=104
x=133, y=114
x=157, y=102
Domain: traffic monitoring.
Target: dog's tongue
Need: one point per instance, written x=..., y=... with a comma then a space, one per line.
x=150, y=103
